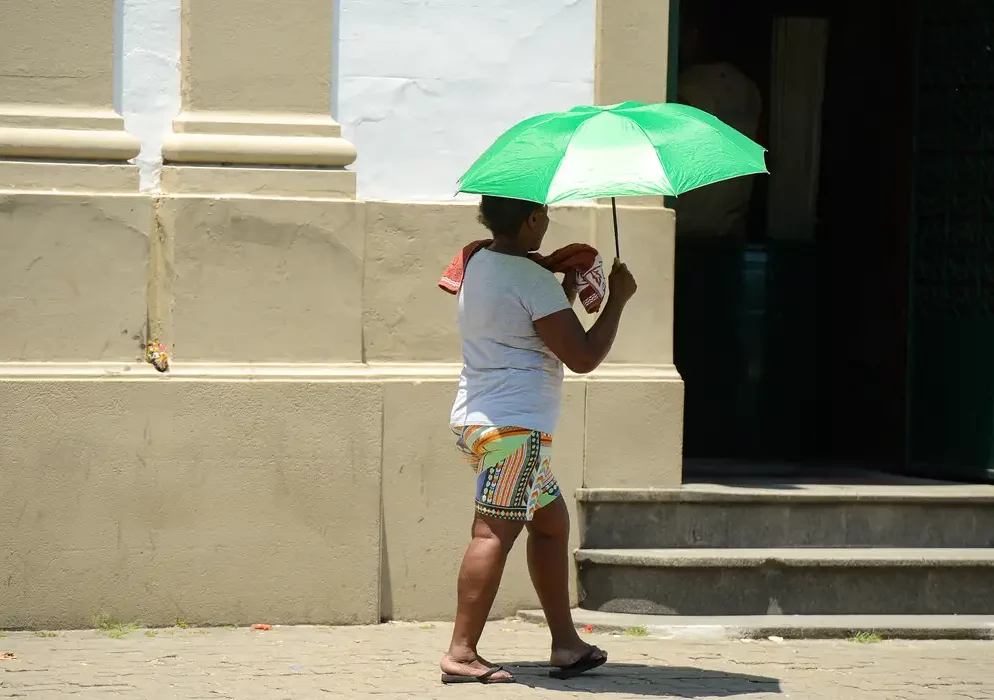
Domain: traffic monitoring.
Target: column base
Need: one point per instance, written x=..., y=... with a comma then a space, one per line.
x=257, y=124
x=64, y=135
x=257, y=150
x=328, y=183
x=257, y=139
x=68, y=144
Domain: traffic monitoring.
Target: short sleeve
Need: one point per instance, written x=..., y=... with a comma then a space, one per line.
x=545, y=297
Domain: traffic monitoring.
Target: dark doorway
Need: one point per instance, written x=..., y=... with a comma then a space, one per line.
x=791, y=323
x=951, y=376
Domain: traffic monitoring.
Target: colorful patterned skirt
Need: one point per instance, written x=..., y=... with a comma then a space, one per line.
x=514, y=478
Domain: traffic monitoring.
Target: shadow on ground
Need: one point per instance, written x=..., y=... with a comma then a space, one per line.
x=650, y=681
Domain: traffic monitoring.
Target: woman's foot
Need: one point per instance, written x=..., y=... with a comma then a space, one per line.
x=472, y=667
x=575, y=658
x=568, y=655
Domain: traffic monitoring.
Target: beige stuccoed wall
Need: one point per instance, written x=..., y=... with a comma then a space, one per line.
x=404, y=321
x=620, y=427
x=428, y=508
x=632, y=50
x=226, y=492
x=296, y=464
x=73, y=274
x=413, y=320
x=157, y=499
x=264, y=280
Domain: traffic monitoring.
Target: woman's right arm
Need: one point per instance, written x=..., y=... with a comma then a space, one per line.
x=581, y=350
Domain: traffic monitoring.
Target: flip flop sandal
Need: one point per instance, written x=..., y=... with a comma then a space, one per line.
x=592, y=659
x=486, y=678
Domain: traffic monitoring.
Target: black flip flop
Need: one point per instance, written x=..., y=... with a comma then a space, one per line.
x=487, y=678
x=587, y=662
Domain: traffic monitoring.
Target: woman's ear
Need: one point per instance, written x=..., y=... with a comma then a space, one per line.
x=536, y=217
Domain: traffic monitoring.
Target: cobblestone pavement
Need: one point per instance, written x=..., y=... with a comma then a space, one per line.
x=400, y=661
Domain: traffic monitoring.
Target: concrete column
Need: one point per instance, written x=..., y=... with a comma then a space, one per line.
x=57, y=98
x=634, y=403
x=632, y=57
x=257, y=91
x=632, y=51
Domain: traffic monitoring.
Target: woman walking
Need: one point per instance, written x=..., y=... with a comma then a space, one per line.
x=518, y=329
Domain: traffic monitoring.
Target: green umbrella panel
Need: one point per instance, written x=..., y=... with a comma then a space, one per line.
x=623, y=150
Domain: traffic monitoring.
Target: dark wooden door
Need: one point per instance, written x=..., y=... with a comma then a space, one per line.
x=863, y=234
x=951, y=407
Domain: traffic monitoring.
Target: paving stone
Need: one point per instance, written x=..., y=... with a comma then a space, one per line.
x=400, y=660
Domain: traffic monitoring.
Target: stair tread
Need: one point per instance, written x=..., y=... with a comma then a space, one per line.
x=800, y=556
x=779, y=493
x=786, y=626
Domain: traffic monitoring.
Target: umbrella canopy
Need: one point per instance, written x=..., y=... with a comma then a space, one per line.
x=628, y=149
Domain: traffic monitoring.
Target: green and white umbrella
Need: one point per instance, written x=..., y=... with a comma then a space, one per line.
x=623, y=150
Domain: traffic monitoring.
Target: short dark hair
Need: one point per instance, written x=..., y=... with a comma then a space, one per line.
x=504, y=216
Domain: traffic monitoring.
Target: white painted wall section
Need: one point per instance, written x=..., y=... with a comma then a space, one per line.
x=148, y=47
x=426, y=85
x=422, y=86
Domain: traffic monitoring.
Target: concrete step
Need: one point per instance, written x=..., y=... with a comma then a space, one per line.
x=788, y=515
x=861, y=628
x=820, y=581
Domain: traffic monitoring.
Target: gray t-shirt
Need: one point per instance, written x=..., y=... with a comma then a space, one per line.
x=509, y=376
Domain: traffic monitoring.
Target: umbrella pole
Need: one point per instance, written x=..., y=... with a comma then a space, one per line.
x=617, y=243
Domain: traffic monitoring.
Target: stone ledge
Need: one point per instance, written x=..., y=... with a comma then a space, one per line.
x=428, y=371
x=959, y=493
x=819, y=557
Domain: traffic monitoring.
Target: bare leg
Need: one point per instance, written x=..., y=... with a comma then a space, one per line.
x=548, y=564
x=479, y=579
